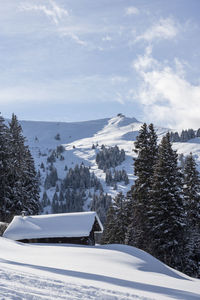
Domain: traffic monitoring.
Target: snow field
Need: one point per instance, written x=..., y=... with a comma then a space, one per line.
x=50, y=271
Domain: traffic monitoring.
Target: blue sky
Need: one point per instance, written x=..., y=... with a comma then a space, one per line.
x=74, y=60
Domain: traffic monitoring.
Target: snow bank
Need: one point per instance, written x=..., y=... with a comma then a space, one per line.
x=111, y=272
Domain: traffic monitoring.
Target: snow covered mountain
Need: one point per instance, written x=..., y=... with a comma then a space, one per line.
x=83, y=140
x=109, y=272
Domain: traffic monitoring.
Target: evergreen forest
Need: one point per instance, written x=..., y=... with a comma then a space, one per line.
x=19, y=186
x=161, y=212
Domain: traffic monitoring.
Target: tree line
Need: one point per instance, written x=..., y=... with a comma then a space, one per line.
x=72, y=191
x=185, y=135
x=19, y=188
x=110, y=157
x=161, y=212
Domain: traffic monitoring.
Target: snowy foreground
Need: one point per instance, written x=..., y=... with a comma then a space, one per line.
x=83, y=272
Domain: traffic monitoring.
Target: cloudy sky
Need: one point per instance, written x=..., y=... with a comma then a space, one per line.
x=74, y=60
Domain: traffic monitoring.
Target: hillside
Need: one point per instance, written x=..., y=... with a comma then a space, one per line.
x=108, y=272
x=82, y=141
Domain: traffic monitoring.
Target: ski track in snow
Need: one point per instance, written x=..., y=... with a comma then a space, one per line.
x=17, y=285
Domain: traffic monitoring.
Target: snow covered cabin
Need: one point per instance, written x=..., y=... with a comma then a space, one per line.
x=73, y=228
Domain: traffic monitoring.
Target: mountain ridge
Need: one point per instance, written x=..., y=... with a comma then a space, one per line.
x=83, y=140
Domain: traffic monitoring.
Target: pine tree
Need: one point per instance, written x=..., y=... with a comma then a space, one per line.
x=184, y=136
x=57, y=188
x=61, y=197
x=121, y=218
x=100, y=204
x=191, y=191
x=166, y=208
x=18, y=153
x=191, y=133
x=57, y=136
x=109, y=178
x=174, y=137
x=51, y=178
x=116, y=221
x=198, y=133
x=5, y=171
x=23, y=177
x=45, y=199
x=192, y=208
x=19, y=188
x=108, y=236
x=153, y=148
x=30, y=185
x=55, y=204
x=129, y=235
x=141, y=187
x=146, y=149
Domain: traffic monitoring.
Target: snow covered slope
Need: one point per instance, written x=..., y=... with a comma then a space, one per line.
x=82, y=272
x=78, y=139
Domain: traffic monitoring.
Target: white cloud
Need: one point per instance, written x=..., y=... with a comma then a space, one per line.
x=144, y=62
x=51, y=10
x=80, y=29
x=59, y=11
x=56, y=14
x=77, y=39
x=164, y=29
x=118, y=79
x=132, y=10
x=166, y=95
x=65, y=31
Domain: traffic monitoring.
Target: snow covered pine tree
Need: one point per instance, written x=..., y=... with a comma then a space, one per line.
x=166, y=212
x=146, y=149
x=191, y=191
x=116, y=221
x=5, y=171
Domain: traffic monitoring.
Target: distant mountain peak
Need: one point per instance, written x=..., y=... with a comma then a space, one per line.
x=121, y=120
x=120, y=115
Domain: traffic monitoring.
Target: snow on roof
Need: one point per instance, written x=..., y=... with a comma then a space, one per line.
x=55, y=225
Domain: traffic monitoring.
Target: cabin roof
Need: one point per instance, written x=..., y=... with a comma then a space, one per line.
x=77, y=224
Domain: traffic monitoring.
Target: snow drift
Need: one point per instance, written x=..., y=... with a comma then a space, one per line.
x=83, y=272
